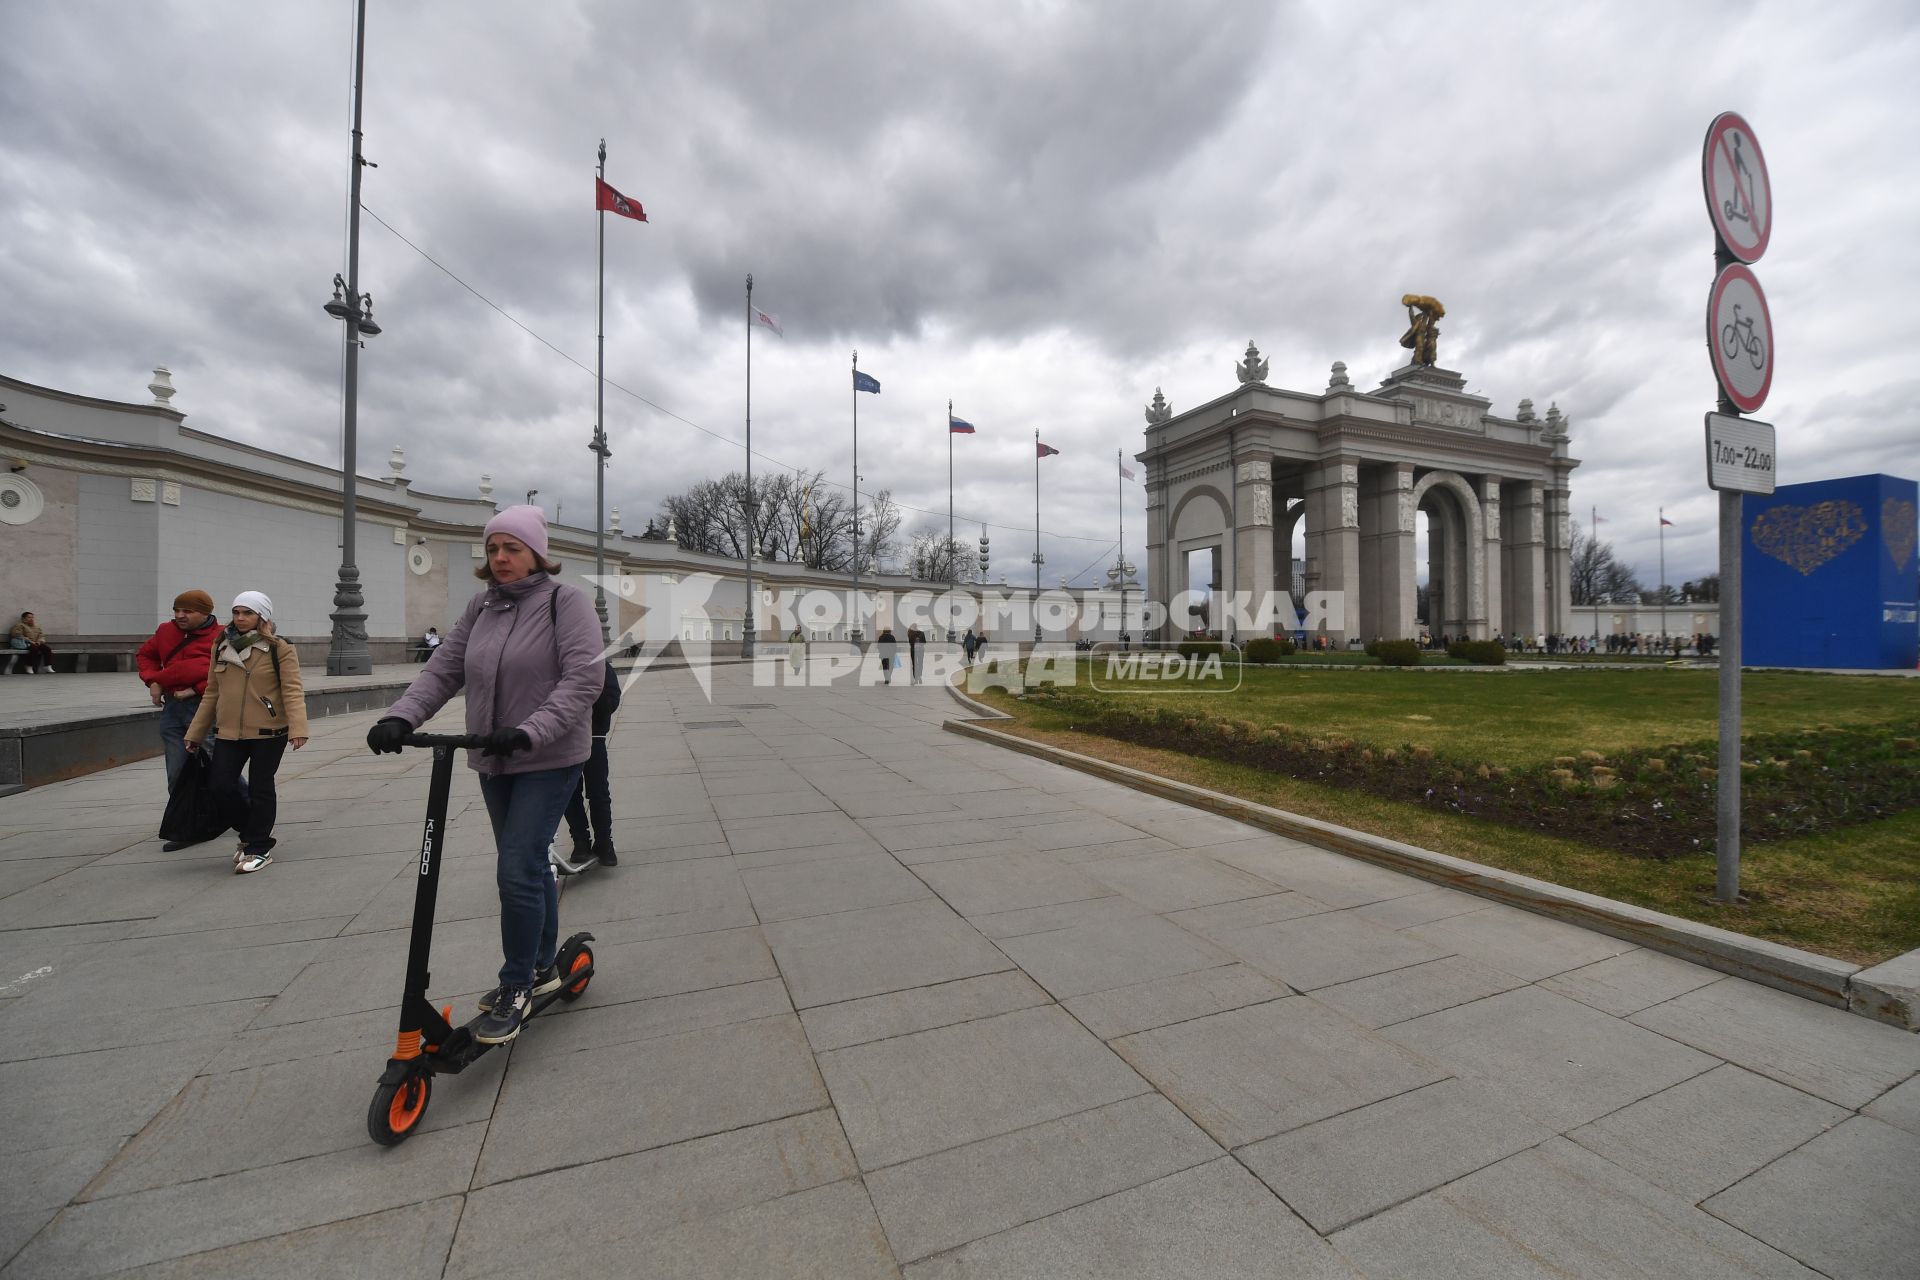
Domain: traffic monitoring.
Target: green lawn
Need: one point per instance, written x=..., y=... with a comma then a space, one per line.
x=1515, y=716
x=1852, y=892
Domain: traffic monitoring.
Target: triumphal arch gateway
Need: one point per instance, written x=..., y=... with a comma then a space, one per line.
x=1233, y=479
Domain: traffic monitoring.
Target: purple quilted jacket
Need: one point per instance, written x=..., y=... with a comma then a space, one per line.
x=520, y=670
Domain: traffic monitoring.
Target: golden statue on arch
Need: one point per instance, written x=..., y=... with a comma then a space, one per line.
x=1423, y=331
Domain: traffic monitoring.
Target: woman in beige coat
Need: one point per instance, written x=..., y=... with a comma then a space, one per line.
x=256, y=709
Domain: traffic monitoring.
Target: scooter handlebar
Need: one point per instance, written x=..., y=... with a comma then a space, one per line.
x=472, y=741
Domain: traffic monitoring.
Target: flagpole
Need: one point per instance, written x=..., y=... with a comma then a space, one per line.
x=599, y=446
x=746, y=630
x=853, y=632
x=950, y=557
x=1663, y=577
x=1120, y=559
x=1038, y=559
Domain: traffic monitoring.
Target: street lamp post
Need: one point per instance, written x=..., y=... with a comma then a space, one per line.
x=347, y=654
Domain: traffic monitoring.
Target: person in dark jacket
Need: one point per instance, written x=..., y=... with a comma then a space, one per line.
x=916, y=652
x=527, y=653
x=594, y=796
x=173, y=664
x=886, y=644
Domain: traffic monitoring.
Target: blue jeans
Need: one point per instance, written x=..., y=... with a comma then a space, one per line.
x=175, y=715
x=525, y=809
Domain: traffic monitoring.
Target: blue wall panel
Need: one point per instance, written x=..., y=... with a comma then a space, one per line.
x=1830, y=574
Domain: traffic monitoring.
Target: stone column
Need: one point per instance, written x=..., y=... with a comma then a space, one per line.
x=1559, y=608
x=1253, y=539
x=1159, y=574
x=1526, y=565
x=1387, y=553
x=1333, y=538
x=1490, y=536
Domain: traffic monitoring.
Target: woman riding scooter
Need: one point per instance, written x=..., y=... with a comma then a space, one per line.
x=527, y=652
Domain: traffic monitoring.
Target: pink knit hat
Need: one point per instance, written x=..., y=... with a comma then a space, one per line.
x=527, y=525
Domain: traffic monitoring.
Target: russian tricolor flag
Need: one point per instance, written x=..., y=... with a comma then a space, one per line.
x=958, y=426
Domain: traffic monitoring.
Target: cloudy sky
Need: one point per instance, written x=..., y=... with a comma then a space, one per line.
x=1040, y=210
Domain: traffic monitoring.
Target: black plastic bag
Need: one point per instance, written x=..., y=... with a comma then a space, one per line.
x=193, y=814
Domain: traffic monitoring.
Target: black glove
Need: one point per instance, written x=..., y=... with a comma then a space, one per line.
x=386, y=735
x=503, y=742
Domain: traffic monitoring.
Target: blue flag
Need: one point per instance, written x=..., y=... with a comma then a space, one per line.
x=865, y=382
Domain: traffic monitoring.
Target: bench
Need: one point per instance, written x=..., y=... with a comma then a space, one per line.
x=80, y=659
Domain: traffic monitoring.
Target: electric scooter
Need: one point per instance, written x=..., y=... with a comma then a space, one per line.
x=429, y=1044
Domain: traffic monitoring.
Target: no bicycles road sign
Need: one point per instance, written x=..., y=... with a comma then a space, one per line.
x=1739, y=197
x=1740, y=334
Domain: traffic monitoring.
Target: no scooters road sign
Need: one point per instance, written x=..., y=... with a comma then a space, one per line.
x=1739, y=197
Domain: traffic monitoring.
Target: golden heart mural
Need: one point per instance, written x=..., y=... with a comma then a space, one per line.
x=1897, y=530
x=1805, y=538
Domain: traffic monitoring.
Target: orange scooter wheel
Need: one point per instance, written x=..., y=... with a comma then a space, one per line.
x=397, y=1108
x=582, y=960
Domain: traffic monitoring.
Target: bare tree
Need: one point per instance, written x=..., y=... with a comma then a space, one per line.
x=1595, y=574
x=799, y=519
x=934, y=557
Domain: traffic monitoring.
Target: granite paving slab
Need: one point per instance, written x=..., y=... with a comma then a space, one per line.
x=1344, y=1168
x=1829, y=1053
x=1120, y=1011
x=850, y=954
x=1521, y=943
x=258, y=1116
x=1556, y=1210
x=1223, y=918
x=944, y=1200
x=613, y=1206
x=90, y=1097
x=688, y=1085
x=1095, y=956
x=1813, y=1205
x=1326, y=877
x=410, y=1241
x=599, y=1022
x=919, y=1093
x=1215, y=1221
x=1177, y=881
x=792, y=890
x=1548, y=1056
x=1250, y=1073
x=1400, y=994
x=102, y=1236
x=1008, y=882
x=1705, y=1134
x=1898, y=1106
x=1631, y=981
x=1112, y=910
x=1324, y=949
x=838, y=1026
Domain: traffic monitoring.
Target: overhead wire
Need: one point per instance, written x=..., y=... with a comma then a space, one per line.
x=662, y=409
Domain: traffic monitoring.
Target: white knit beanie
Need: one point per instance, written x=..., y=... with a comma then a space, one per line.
x=256, y=601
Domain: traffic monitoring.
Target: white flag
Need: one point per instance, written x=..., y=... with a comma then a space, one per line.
x=762, y=318
x=1123, y=471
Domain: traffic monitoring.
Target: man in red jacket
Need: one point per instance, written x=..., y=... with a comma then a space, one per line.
x=173, y=665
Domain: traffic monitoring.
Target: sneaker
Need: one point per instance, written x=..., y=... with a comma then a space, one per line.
x=251, y=862
x=507, y=1010
x=608, y=858
x=544, y=980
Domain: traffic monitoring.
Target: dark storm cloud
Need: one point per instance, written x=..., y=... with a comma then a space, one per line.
x=1041, y=210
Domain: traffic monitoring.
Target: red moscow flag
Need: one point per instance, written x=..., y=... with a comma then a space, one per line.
x=605, y=197
x=1044, y=449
